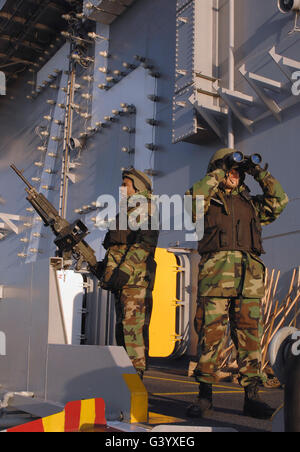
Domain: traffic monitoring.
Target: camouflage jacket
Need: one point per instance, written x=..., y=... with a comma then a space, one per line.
x=136, y=258
x=235, y=273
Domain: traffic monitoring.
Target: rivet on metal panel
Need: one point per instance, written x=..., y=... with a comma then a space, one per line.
x=129, y=65
x=104, y=87
x=151, y=147
x=35, y=251
x=151, y=172
x=128, y=150
x=152, y=122
x=153, y=98
x=183, y=19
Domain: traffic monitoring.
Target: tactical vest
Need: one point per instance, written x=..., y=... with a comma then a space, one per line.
x=120, y=237
x=234, y=228
x=128, y=237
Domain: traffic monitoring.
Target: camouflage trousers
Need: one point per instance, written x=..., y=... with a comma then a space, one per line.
x=133, y=312
x=213, y=317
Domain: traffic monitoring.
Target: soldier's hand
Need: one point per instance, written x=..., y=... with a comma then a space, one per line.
x=255, y=170
x=220, y=164
x=99, y=269
x=118, y=280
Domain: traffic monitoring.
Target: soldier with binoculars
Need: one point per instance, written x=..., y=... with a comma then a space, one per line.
x=231, y=273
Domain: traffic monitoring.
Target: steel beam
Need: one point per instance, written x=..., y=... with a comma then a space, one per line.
x=231, y=98
x=208, y=114
x=254, y=81
x=286, y=65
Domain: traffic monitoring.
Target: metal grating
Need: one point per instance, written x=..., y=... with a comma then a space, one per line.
x=30, y=33
x=185, y=48
x=182, y=3
x=195, y=69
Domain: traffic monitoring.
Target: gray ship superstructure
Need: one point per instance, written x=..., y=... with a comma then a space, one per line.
x=101, y=86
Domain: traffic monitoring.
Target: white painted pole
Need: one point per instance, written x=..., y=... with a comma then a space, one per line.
x=231, y=67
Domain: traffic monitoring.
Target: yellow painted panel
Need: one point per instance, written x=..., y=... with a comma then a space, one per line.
x=163, y=320
x=156, y=418
x=54, y=423
x=139, y=398
x=88, y=412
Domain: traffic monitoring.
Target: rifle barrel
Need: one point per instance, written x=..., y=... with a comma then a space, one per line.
x=20, y=174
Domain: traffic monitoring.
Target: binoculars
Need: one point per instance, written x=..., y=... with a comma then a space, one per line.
x=241, y=161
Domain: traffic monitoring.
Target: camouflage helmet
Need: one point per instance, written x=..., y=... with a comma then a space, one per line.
x=140, y=180
x=220, y=155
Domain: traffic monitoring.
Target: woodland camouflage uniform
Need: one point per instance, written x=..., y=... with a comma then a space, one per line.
x=130, y=273
x=231, y=281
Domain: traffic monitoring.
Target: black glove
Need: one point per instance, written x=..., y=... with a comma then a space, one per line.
x=219, y=164
x=98, y=270
x=255, y=170
x=116, y=282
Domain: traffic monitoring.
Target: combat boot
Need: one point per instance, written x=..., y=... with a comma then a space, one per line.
x=254, y=406
x=204, y=404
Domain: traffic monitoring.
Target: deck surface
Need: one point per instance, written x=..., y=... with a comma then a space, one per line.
x=171, y=391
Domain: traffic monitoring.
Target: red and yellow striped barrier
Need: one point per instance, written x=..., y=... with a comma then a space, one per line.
x=77, y=416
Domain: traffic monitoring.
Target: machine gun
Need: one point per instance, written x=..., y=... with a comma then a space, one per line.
x=69, y=237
